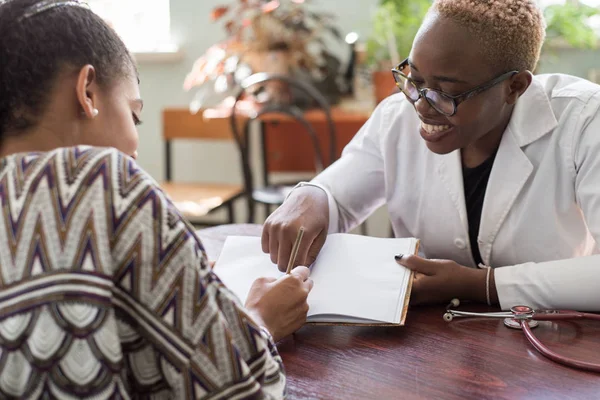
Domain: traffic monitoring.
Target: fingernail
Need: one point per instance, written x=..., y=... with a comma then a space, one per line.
x=398, y=257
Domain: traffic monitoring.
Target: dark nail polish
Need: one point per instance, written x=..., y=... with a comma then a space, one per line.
x=398, y=257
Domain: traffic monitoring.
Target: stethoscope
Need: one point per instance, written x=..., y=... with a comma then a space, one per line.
x=526, y=318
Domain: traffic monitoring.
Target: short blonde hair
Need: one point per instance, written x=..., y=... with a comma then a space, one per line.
x=511, y=31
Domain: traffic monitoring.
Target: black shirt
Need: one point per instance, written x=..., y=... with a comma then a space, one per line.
x=475, y=182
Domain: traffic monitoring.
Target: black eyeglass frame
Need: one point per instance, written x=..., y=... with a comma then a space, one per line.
x=457, y=99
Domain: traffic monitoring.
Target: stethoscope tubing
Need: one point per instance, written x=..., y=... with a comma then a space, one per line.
x=522, y=316
x=546, y=352
x=465, y=314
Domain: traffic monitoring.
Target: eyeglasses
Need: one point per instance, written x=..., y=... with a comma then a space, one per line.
x=441, y=102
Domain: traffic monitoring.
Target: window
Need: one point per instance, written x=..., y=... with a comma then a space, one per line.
x=144, y=25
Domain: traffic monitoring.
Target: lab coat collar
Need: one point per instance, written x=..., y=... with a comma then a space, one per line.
x=533, y=116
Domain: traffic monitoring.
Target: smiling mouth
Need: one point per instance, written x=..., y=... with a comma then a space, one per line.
x=433, y=129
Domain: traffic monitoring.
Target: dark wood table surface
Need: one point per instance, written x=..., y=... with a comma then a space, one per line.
x=429, y=358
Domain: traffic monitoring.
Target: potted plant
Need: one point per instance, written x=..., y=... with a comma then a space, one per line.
x=569, y=27
x=569, y=24
x=395, y=24
x=279, y=36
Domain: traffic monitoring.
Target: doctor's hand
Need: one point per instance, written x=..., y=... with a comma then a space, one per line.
x=440, y=281
x=306, y=207
x=280, y=304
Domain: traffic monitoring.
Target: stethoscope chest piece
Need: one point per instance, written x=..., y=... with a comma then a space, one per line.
x=516, y=324
x=521, y=314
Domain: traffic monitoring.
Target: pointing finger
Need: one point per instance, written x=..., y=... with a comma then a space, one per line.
x=417, y=264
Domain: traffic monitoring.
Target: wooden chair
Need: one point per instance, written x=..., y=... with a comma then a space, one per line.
x=196, y=200
x=270, y=194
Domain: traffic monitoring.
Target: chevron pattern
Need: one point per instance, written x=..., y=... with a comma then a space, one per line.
x=106, y=292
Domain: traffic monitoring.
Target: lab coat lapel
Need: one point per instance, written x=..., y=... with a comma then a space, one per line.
x=532, y=118
x=449, y=168
x=509, y=174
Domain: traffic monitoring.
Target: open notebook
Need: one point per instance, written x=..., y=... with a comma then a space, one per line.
x=356, y=279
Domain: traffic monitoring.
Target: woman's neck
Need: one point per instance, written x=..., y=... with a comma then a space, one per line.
x=38, y=139
x=484, y=147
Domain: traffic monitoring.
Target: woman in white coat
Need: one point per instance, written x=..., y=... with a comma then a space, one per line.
x=485, y=163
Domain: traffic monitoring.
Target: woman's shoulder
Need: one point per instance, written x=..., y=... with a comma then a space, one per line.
x=87, y=162
x=563, y=86
x=78, y=170
x=391, y=115
x=100, y=184
x=80, y=157
x=394, y=107
x=394, y=120
x=86, y=156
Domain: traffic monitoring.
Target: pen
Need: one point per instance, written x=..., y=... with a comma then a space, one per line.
x=295, y=251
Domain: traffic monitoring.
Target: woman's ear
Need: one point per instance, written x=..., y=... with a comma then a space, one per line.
x=87, y=91
x=518, y=85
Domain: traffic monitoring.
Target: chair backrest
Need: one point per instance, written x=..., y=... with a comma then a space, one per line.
x=180, y=123
x=288, y=110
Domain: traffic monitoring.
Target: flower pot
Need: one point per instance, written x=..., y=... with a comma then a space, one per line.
x=383, y=85
x=277, y=62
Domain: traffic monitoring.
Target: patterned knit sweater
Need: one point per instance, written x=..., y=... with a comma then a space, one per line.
x=106, y=292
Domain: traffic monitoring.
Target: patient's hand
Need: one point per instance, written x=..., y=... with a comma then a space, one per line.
x=306, y=207
x=280, y=304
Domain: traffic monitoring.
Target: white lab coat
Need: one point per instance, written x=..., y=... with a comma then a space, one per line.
x=541, y=213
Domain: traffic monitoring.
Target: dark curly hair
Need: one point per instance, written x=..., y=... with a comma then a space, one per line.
x=35, y=48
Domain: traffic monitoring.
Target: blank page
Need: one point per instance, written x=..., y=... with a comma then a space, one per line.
x=241, y=262
x=357, y=276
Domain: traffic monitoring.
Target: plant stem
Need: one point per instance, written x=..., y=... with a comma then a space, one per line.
x=391, y=42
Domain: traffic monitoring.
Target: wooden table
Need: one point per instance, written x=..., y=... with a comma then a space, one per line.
x=431, y=359
x=287, y=146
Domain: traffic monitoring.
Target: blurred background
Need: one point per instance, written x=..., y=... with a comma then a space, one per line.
x=196, y=56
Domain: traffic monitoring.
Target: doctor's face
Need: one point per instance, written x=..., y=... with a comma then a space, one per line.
x=445, y=58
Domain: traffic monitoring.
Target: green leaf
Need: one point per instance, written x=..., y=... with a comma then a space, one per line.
x=569, y=22
x=400, y=18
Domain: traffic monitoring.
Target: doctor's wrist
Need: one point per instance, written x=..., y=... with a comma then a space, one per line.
x=493, y=291
x=307, y=189
x=478, y=285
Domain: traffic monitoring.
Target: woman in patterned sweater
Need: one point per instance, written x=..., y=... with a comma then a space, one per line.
x=105, y=290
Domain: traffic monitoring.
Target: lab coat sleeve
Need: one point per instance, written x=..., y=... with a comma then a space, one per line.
x=572, y=283
x=355, y=184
